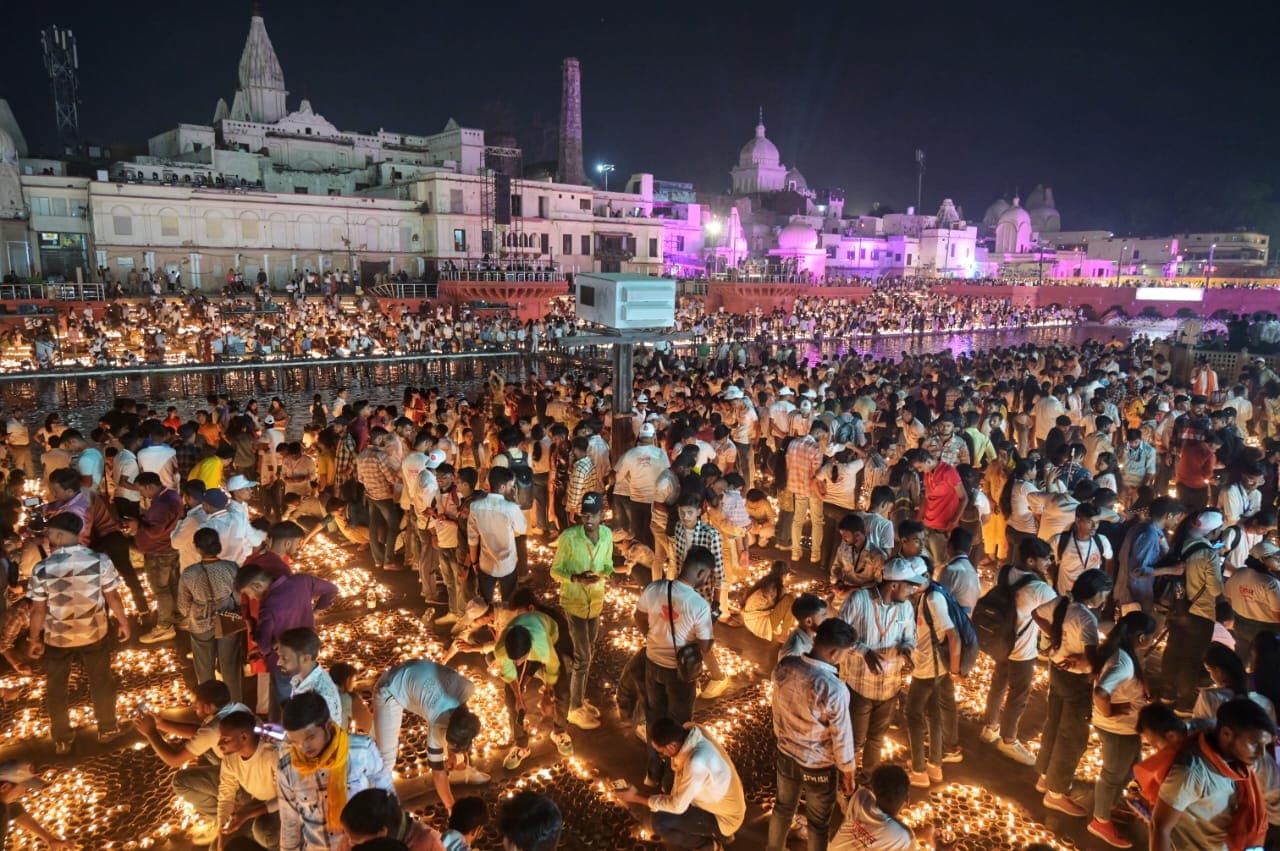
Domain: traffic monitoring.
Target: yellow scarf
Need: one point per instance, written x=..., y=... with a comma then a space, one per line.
x=333, y=759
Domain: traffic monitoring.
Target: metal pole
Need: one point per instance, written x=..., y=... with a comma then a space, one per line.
x=1208, y=270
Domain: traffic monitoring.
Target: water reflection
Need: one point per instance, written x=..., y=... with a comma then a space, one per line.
x=80, y=400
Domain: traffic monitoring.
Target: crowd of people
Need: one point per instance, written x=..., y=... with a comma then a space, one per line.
x=264, y=327
x=1039, y=506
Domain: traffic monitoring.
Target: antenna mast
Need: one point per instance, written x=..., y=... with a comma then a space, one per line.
x=62, y=63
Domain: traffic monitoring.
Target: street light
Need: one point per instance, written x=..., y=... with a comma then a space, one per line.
x=1208, y=270
x=714, y=228
x=605, y=168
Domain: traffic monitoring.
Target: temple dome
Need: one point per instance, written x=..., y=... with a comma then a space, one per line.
x=759, y=151
x=797, y=236
x=1015, y=216
x=992, y=216
x=795, y=177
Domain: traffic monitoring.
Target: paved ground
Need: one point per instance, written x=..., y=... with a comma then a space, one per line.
x=118, y=797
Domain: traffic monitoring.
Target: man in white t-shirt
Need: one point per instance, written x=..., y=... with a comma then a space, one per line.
x=1198, y=799
x=1080, y=548
x=160, y=458
x=672, y=614
x=492, y=527
x=1011, y=681
x=198, y=785
x=871, y=822
x=931, y=697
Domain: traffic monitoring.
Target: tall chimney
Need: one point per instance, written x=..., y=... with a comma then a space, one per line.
x=570, y=167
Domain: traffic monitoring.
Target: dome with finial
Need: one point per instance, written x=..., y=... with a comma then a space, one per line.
x=1013, y=230
x=795, y=181
x=759, y=150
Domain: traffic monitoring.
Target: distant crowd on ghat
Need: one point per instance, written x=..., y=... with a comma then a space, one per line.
x=234, y=329
x=1070, y=508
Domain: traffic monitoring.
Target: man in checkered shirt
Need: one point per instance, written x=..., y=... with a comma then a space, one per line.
x=886, y=625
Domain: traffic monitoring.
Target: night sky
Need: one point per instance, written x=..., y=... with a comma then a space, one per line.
x=1139, y=120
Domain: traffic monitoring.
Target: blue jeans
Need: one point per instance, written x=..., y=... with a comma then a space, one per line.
x=818, y=785
x=384, y=528
x=486, y=583
x=693, y=828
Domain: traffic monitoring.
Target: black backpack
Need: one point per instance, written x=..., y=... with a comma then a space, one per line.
x=995, y=617
x=524, y=479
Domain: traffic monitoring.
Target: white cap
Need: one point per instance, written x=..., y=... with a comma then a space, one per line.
x=642, y=399
x=435, y=459
x=268, y=420
x=806, y=405
x=786, y=391
x=901, y=570
x=647, y=430
x=810, y=394
x=734, y=392
x=239, y=482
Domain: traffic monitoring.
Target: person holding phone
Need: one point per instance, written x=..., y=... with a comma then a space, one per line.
x=584, y=559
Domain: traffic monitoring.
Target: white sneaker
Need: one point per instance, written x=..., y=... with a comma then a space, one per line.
x=1016, y=751
x=919, y=779
x=590, y=707
x=583, y=719
x=515, y=756
x=446, y=619
x=715, y=688
x=468, y=776
x=155, y=636
x=989, y=734
x=564, y=744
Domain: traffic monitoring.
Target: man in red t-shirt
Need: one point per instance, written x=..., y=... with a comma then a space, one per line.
x=944, y=501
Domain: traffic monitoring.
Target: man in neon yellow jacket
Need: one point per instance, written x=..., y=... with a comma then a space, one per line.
x=584, y=560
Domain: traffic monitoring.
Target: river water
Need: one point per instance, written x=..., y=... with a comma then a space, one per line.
x=79, y=401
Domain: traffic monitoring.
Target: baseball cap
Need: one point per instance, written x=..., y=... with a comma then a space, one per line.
x=19, y=773
x=642, y=399
x=268, y=420
x=901, y=570
x=786, y=391
x=810, y=394
x=239, y=482
x=592, y=502
x=215, y=498
x=647, y=430
x=734, y=392
x=435, y=459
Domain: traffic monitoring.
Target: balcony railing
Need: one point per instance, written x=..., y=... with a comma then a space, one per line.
x=408, y=289
x=496, y=275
